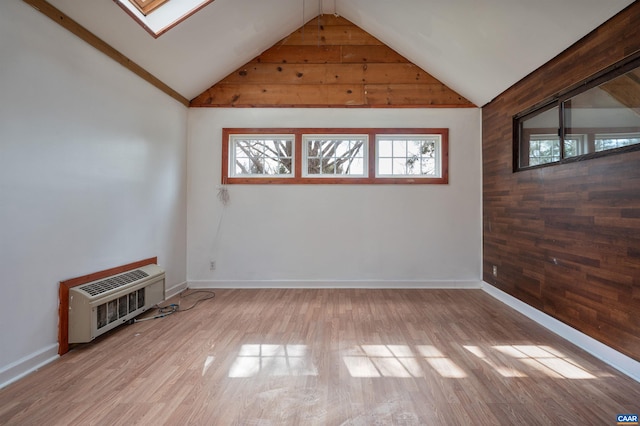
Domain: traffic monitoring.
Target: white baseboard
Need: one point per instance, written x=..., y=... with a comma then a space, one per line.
x=315, y=284
x=172, y=291
x=617, y=360
x=28, y=364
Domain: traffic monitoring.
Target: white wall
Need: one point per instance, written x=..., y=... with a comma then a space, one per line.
x=92, y=176
x=335, y=235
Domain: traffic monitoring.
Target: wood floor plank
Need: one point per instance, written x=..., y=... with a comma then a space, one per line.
x=326, y=357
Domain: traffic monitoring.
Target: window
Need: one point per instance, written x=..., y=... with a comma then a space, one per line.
x=543, y=149
x=408, y=155
x=331, y=156
x=261, y=155
x=159, y=16
x=613, y=141
x=362, y=156
x=600, y=117
x=147, y=6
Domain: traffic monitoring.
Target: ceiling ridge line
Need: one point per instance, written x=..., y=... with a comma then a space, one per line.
x=81, y=32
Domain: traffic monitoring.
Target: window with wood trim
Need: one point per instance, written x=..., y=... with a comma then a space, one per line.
x=334, y=156
x=261, y=155
x=600, y=116
x=159, y=16
x=408, y=155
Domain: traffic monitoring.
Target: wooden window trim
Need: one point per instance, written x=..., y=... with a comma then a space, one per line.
x=370, y=179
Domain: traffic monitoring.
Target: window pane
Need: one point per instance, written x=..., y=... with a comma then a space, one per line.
x=575, y=145
x=335, y=156
x=570, y=148
x=410, y=155
x=313, y=166
x=428, y=166
x=613, y=141
x=243, y=166
x=399, y=148
x=356, y=167
x=414, y=148
x=400, y=166
x=268, y=156
x=327, y=166
x=539, y=140
x=385, y=148
x=543, y=149
x=385, y=166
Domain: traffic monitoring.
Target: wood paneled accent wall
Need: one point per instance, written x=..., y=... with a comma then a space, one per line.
x=566, y=238
x=330, y=62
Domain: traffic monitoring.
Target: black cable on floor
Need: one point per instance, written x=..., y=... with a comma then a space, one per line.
x=164, y=311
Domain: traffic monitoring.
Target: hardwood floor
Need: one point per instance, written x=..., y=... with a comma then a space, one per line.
x=326, y=357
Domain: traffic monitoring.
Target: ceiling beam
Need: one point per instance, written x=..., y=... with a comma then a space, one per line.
x=72, y=26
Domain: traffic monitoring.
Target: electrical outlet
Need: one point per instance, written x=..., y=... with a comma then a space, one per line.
x=212, y=265
x=495, y=271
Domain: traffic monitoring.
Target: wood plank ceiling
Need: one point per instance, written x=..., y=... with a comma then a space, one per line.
x=330, y=62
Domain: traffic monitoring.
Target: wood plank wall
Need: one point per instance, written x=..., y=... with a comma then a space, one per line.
x=330, y=62
x=566, y=238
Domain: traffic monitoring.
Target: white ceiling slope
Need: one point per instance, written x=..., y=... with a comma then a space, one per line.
x=478, y=48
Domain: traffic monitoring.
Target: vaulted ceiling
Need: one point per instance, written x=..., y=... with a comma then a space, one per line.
x=478, y=48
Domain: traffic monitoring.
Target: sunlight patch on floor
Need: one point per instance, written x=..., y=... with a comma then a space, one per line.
x=404, y=361
x=503, y=370
x=439, y=362
x=382, y=361
x=272, y=360
x=546, y=360
x=398, y=361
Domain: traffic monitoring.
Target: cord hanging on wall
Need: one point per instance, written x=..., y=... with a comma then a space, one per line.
x=224, y=198
x=223, y=194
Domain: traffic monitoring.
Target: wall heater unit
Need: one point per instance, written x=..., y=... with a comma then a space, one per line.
x=99, y=306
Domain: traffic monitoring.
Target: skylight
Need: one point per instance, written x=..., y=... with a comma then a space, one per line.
x=159, y=16
x=147, y=6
